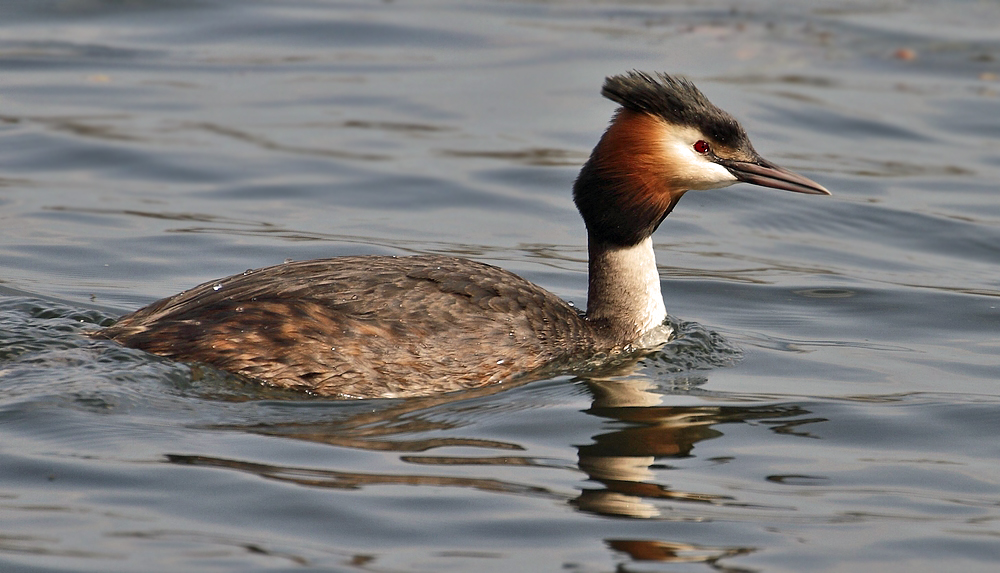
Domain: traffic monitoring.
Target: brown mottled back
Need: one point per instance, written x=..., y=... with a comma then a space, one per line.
x=372, y=326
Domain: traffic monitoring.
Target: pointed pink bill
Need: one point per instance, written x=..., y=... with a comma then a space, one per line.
x=767, y=174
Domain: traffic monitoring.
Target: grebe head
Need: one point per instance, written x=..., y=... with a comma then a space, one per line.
x=665, y=140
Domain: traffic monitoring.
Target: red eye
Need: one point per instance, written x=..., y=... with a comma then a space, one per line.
x=701, y=146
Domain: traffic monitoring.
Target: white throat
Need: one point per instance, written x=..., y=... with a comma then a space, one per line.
x=625, y=289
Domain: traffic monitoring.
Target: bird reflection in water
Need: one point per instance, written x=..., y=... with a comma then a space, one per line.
x=622, y=465
x=667, y=552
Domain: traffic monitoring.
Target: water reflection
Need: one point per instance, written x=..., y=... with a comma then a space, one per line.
x=667, y=552
x=352, y=480
x=624, y=463
x=623, y=467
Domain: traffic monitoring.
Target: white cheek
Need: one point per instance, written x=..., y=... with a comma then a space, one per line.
x=692, y=170
x=713, y=176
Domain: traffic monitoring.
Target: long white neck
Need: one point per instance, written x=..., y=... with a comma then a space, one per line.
x=624, y=295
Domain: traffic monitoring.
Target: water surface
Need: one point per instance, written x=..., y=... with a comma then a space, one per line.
x=832, y=402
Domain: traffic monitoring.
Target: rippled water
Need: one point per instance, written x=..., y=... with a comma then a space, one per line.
x=831, y=405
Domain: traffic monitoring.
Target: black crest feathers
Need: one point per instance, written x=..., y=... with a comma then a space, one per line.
x=676, y=100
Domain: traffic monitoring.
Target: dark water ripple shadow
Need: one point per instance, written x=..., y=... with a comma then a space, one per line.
x=770, y=342
x=40, y=54
x=350, y=480
x=101, y=127
x=269, y=144
x=538, y=156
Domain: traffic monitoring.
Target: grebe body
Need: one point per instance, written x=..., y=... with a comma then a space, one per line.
x=381, y=326
x=368, y=326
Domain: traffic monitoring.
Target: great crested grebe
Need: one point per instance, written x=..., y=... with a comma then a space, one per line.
x=383, y=326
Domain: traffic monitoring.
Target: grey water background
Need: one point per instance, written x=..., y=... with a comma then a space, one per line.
x=832, y=403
